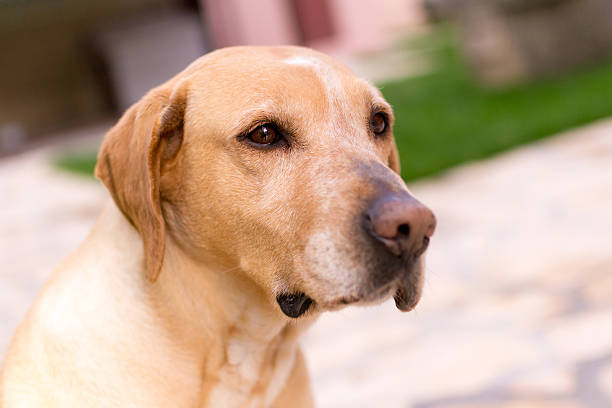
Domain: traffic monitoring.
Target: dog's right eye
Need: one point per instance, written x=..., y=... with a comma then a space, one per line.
x=265, y=135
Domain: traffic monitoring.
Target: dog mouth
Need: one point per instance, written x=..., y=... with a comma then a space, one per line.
x=405, y=290
x=406, y=298
x=401, y=280
x=405, y=294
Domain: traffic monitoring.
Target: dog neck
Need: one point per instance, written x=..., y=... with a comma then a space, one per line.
x=242, y=344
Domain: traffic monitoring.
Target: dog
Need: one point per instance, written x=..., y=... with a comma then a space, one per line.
x=252, y=192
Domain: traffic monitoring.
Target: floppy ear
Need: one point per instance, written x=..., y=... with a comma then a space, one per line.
x=132, y=158
x=394, y=160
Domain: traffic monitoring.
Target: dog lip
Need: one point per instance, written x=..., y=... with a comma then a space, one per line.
x=294, y=304
x=405, y=287
x=375, y=296
x=405, y=301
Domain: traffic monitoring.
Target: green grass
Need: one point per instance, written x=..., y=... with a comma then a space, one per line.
x=80, y=163
x=445, y=118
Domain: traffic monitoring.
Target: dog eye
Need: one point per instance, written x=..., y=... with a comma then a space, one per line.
x=264, y=135
x=378, y=123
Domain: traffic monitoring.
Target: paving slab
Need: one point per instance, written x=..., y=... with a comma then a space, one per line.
x=517, y=308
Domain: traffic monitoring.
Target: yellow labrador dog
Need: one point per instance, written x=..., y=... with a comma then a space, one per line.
x=252, y=192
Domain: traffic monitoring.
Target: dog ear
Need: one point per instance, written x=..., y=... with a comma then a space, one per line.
x=394, y=160
x=131, y=161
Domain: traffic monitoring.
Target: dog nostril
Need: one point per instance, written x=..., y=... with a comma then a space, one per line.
x=403, y=230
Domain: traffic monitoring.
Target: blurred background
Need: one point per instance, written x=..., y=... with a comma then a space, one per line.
x=504, y=125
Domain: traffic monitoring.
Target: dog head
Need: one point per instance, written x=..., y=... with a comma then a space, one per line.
x=277, y=163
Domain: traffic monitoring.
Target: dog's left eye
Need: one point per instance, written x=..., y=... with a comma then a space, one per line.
x=265, y=135
x=378, y=123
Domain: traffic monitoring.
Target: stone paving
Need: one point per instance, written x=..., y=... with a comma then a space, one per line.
x=517, y=309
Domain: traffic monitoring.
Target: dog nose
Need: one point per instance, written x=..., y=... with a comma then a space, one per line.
x=401, y=223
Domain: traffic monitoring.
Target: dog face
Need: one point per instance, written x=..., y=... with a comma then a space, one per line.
x=277, y=163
